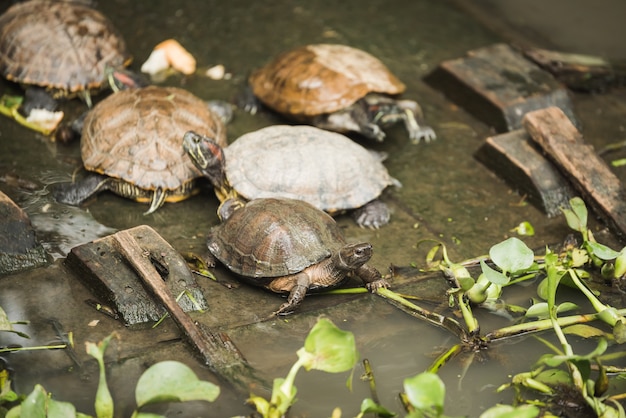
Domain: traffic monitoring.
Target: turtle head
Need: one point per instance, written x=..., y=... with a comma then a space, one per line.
x=207, y=156
x=352, y=256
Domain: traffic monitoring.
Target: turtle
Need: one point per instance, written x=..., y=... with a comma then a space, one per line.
x=335, y=87
x=60, y=48
x=131, y=144
x=290, y=246
x=323, y=168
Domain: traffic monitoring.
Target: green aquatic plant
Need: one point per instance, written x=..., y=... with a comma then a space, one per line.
x=167, y=381
x=326, y=348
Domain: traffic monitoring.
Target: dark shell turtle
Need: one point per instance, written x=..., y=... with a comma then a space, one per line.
x=64, y=47
x=323, y=168
x=339, y=88
x=133, y=139
x=289, y=246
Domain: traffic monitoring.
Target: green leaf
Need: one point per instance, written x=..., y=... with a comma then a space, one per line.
x=172, y=381
x=602, y=251
x=328, y=348
x=525, y=229
x=585, y=331
x=579, y=209
x=619, y=332
x=38, y=404
x=540, y=310
x=466, y=283
x=620, y=264
x=368, y=406
x=553, y=377
x=58, y=409
x=492, y=275
x=35, y=403
x=425, y=392
x=6, y=325
x=508, y=411
x=512, y=255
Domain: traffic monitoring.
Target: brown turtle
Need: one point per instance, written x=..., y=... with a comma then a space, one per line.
x=60, y=47
x=289, y=246
x=336, y=87
x=132, y=145
x=325, y=169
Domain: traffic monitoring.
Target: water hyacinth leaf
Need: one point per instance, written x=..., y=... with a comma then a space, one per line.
x=426, y=392
x=328, y=348
x=576, y=217
x=508, y=411
x=553, y=377
x=585, y=331
x=57, y=409
x=602, y=251
x=466, y=283
x=512, y=255
x=619, y=332
x=525, y=229
x=38, y=404
x=554, y=361
x=172, y=381
x=540, y=310
x=620, y=264
x=33, y=406
x=492, y=275
x=580, y=209
x=104, y=401
x=368, y=406
x=7, y=326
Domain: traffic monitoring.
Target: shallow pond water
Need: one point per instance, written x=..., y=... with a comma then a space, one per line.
x=447, y=195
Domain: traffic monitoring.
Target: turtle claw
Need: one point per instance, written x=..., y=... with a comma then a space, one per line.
x=425, y=133
x=377, y=284
x=372, y=215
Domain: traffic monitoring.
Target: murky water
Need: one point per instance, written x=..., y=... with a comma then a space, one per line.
x=446, y=195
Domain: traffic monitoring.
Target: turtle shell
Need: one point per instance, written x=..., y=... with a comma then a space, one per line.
x=270, y=238
x=137, y=135
x=325, y=169
x=322, y=78
x=60, y=45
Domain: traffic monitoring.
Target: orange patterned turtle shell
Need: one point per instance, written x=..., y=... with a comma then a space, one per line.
x=322, y=78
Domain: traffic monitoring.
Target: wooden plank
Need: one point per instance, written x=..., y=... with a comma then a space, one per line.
x=590, y=175
x=585, y=73
x=499, y=86
x=109, y=277
x=19, y=249
x=514, y=158
x=216, y=349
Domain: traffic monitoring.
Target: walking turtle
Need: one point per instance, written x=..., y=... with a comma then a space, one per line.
x=60, y=47
x=289, y=246
x=324, y=168
x=132, y=145
x=336, y=87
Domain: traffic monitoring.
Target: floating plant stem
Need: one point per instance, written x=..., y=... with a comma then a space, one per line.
x=431, y=317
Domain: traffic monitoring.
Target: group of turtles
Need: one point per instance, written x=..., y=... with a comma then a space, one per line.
x=277, y=185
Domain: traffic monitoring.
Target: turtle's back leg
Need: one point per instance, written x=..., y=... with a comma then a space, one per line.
x=75, y=193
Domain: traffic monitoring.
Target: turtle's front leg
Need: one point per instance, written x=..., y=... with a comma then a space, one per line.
x=416, y=132
x=296, y=295
x=371, y=277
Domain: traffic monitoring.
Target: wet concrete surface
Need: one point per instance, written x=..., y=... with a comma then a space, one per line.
x=446, y=195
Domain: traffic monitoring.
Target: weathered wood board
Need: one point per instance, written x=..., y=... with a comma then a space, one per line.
x=590, y=175
x=514, y=158
x=216, y=349
x=497, y=85
x=104, y=271
x=19, y=249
